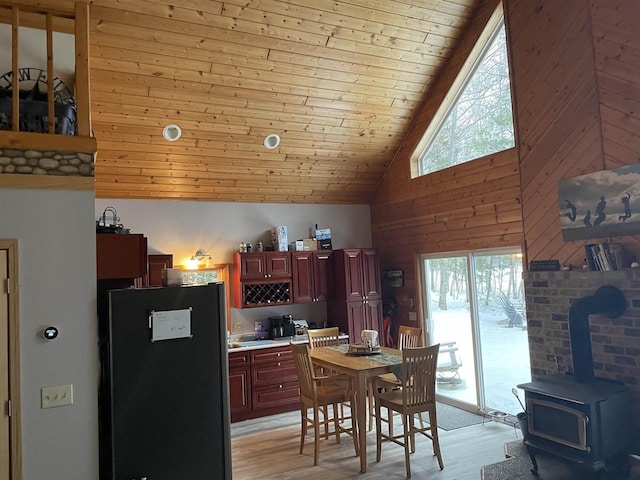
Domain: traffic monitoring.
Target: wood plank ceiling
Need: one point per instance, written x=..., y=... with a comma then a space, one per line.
x=339, y=80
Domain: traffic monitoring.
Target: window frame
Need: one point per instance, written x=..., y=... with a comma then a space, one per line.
x=456, y=88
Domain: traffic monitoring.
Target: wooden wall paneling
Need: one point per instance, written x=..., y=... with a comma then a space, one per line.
x=398, y=191
x=466, y=207
x=542, y=231
x=617, y=53
x=573, y=157
x=555, y=96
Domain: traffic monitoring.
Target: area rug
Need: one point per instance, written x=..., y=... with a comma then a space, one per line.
x=451, y=418
x=518, y=466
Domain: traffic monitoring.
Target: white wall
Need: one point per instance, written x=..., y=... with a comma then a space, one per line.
x=56, y=235
x=182, y=227
x=33, y=52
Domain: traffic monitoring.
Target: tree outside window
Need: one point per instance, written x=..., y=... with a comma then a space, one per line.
x=479, y=121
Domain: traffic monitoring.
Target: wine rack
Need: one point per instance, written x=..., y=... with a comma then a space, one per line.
x=262, y=294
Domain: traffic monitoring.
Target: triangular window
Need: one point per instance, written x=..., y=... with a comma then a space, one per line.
x=478, y=121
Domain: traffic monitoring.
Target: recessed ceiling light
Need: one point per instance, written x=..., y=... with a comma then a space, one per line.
x=171, y=132
x=272, y=141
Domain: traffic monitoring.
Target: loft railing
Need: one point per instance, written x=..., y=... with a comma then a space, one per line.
x=67, y=16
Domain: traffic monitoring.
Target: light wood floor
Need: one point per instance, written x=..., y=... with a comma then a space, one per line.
x=269, y=448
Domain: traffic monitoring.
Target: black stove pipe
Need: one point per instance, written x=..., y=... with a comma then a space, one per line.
x=608, y=301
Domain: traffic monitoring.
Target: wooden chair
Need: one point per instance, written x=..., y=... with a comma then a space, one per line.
x=417, y=395
x=318, y=393
x=325, y=337
x=408, y=337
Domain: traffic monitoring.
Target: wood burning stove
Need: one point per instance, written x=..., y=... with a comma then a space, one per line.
x=581, y=418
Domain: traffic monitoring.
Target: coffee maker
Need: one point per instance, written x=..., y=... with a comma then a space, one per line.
x=281, y=326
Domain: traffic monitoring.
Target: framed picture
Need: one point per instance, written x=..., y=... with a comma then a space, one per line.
x=393, y=278
x=600, y=204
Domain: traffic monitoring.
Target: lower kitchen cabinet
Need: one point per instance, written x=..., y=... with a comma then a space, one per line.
x=353, y=317
x=239, y=384
x=273, y=386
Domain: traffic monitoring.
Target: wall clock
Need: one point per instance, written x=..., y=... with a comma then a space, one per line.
x=34, y=81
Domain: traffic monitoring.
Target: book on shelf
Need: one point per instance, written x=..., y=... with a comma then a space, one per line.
x=603, y=257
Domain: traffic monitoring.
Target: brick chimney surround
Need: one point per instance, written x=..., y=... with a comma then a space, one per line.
x=615, y=342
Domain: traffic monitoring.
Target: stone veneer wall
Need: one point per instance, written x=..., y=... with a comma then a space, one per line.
x=41, y=162
x=615, y=342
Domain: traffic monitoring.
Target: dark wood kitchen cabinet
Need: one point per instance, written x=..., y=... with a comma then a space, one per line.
x=264, y=265
x=121, y=256
x=262, y=279
x=356, y=303
x=274, y=381
x=157, y=263
x=239, y=385
x=312, y=275
x=262, y=382
x=357, y=274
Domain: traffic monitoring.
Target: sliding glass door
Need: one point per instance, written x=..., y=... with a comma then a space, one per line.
x=474, y=307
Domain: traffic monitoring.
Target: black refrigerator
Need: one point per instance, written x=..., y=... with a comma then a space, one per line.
x=164, y=405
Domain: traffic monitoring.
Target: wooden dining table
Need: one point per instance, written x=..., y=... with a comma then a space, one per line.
x=360, y=368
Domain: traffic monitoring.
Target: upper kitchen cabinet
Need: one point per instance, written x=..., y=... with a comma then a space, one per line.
x=312, y=276
x=262, y=279
x=357, y=274
x=121, y=256
x=263, y=265
x=158, y=263
x=357, y=301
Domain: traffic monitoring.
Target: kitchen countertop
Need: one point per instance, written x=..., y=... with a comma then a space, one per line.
x=280, y=342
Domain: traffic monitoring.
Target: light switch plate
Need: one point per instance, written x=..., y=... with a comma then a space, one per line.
x=412, y=316
x=56, y=396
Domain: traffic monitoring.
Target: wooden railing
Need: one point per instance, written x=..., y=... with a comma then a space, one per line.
x=67, y=16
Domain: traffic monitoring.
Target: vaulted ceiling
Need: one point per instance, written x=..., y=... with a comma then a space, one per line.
x=340, y=81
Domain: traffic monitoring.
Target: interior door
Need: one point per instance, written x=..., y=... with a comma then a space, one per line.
x=5, y=430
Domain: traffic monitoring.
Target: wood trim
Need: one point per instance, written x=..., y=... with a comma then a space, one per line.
x=51, y=116
x=56, y=7
x=15, y=95
x=14, y=355
x=83, y=96
x=36, y=20
x=44, y=141
x=46, y=182
x=458, y=76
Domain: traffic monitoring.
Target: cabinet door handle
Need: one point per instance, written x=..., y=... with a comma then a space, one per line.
x=279, y=364
x=280, y=387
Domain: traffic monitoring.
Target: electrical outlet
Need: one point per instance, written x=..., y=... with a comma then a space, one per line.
x=237, y=327
x=412, y=316
x=56, y=396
